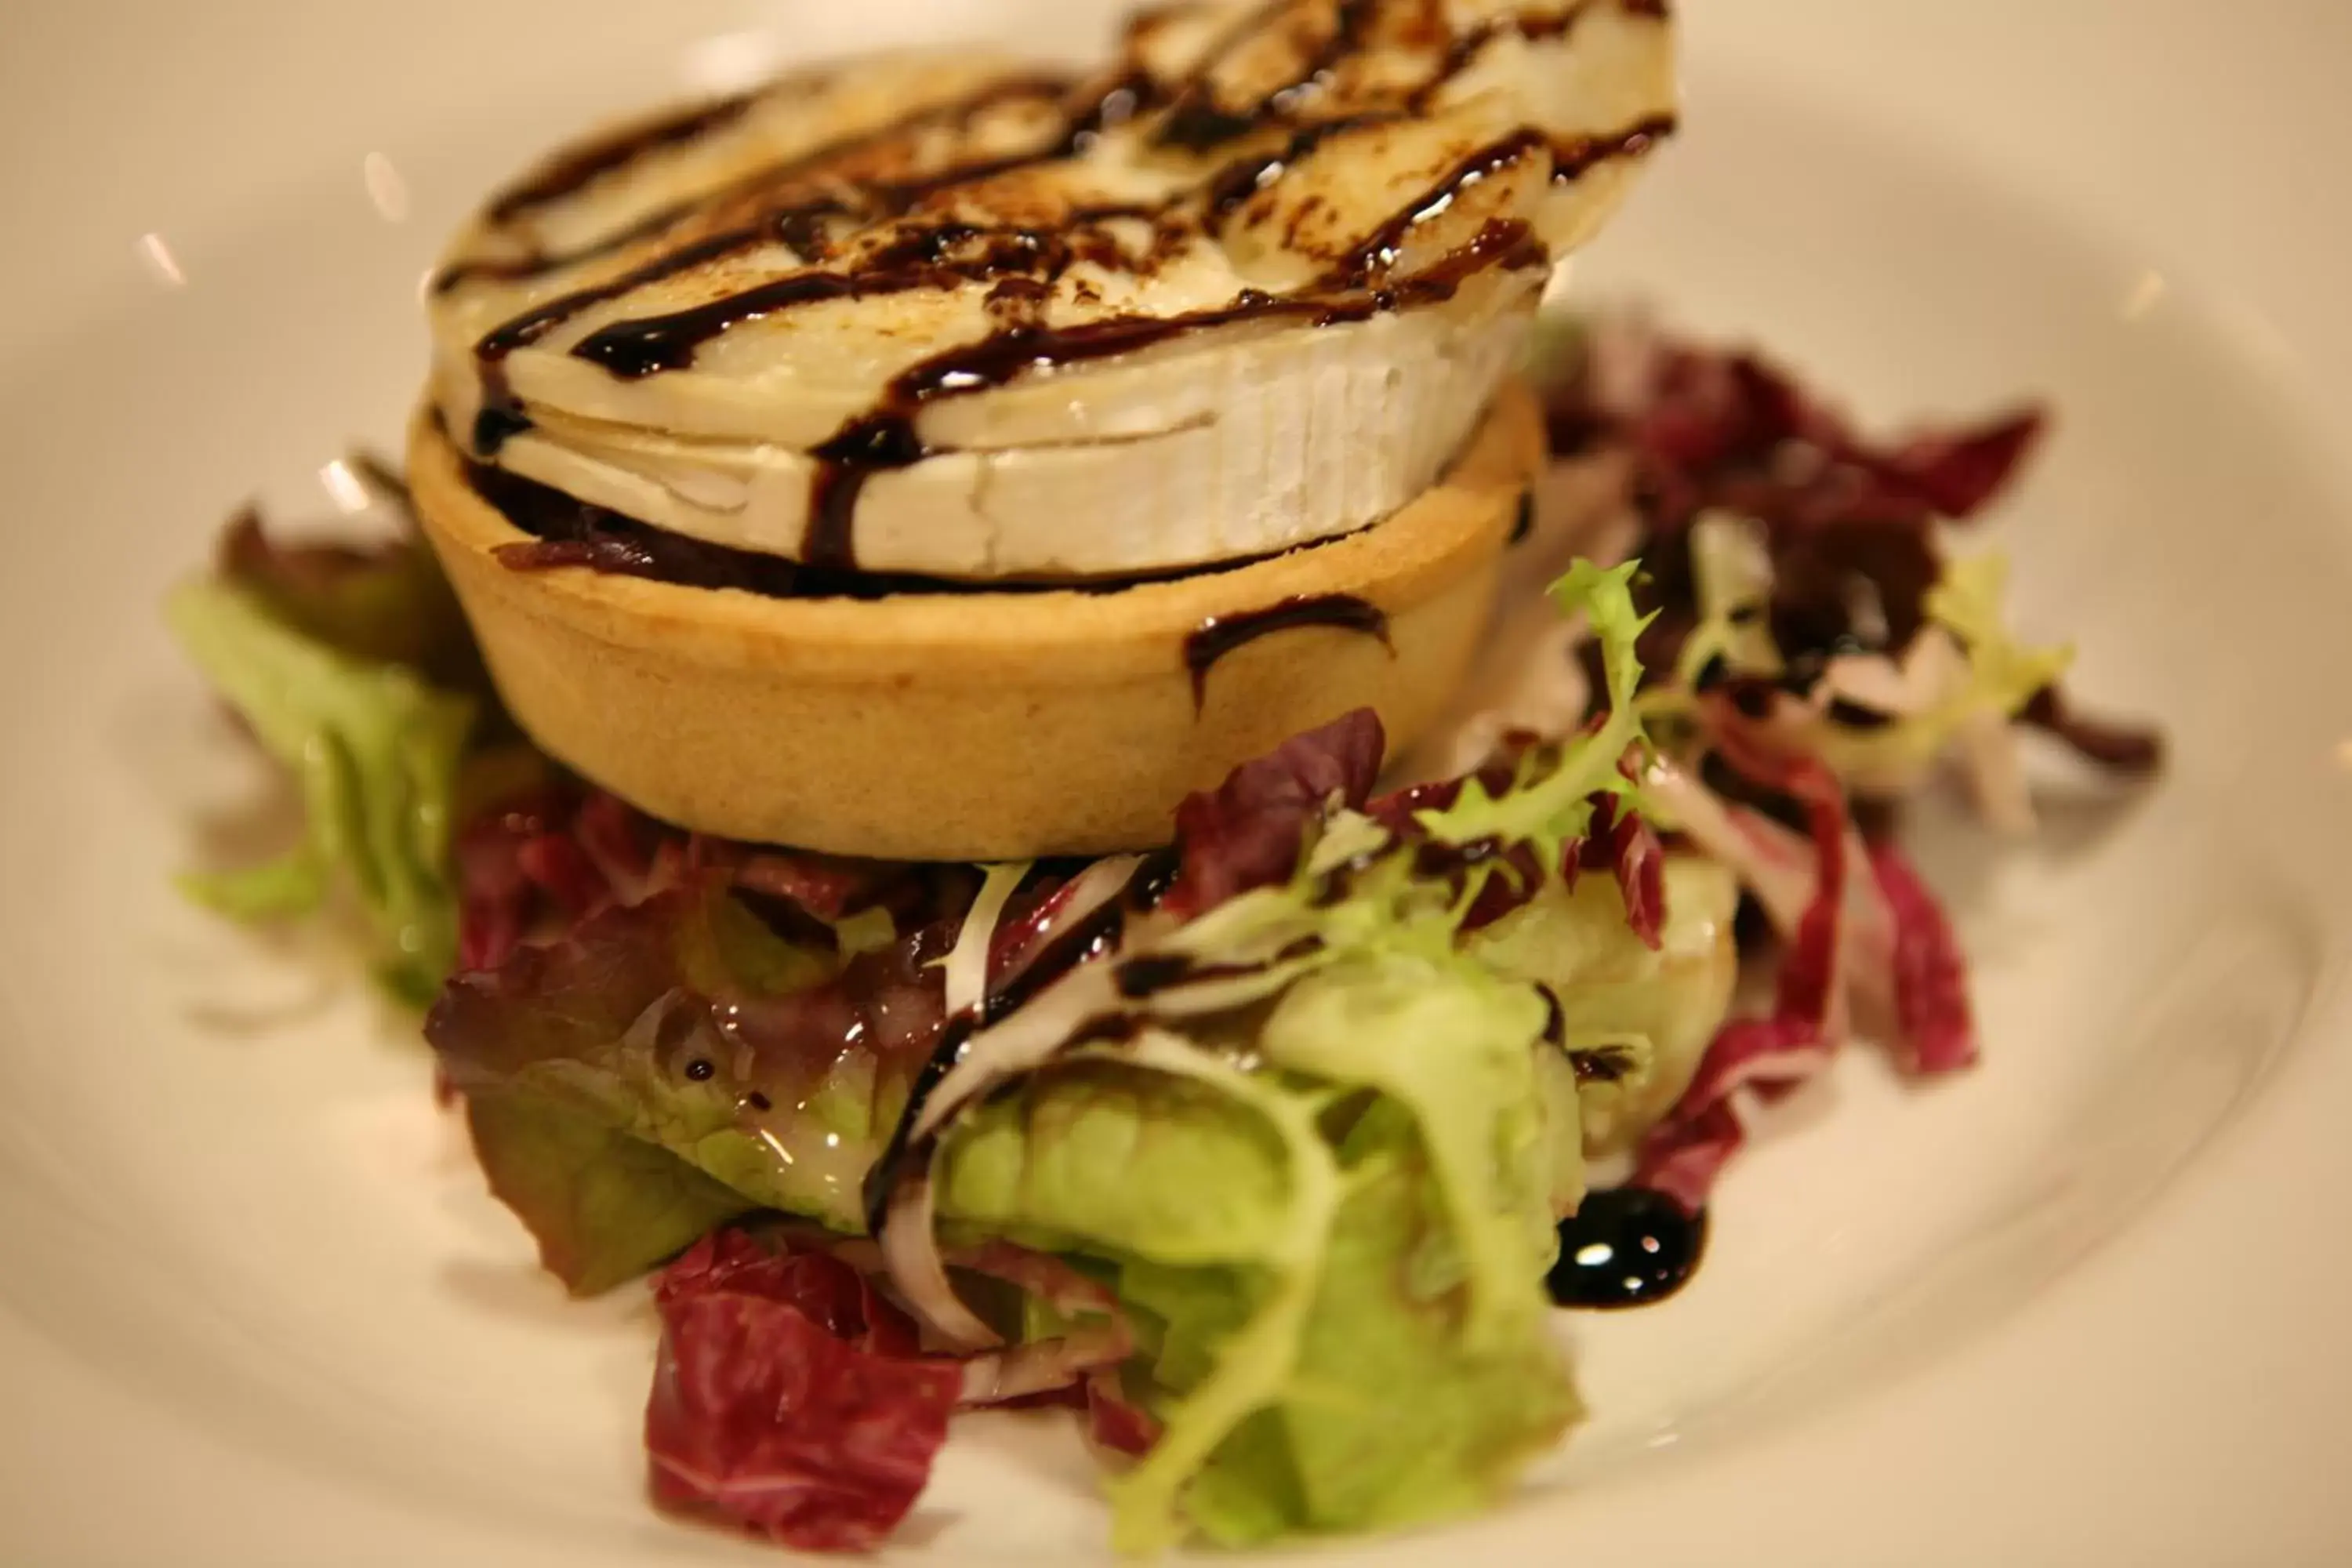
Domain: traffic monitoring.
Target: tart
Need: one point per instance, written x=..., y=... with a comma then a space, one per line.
x=944, y=457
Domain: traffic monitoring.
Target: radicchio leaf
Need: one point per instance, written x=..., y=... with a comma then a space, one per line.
x=1848, y=524
x=1931, y=979
x=1618, y=839
x=1683, y=1154
x=1774, y=1054
x=1115, y=1422
x=1957, y=473
x=1709, y=429
x=788, y=1398
x=1625, y=844
x=1250, y=831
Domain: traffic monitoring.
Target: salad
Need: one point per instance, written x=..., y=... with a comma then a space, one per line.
x=1266, y=1153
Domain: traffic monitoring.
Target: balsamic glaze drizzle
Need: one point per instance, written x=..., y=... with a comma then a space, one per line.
x=1221, y=634
x=1378, y=250
x=1197, y=122
x=1555, y=1027
x=1573, y=158
x=575, y=169
x=1092, y=938
x=1523, y=522
x=865, y=447
x=949, y=254
x=882, y=1177
x=1601, y=1064
x=1140, y=979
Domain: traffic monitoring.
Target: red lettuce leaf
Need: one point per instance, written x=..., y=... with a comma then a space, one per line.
x=830, y=887
x=539, y=864
x=788, y=1399
x=382, y=601
x=545, y=860
x=573, y=999
x=1250, y=831
x=685, y=1022
x=495, y=894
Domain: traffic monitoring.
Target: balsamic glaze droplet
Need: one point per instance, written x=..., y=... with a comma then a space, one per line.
x=572, y=171
x=699, y=1070
x=1626, y=1247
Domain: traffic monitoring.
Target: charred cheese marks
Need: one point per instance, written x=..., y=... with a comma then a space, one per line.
x=1249, y=288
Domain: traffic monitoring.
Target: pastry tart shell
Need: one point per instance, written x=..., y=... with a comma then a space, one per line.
x=971, y=725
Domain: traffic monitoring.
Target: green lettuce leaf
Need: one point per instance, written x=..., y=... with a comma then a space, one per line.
x=1453, y=1046
x=1609, y=985
x=1327, y=1171
x=1198, y=1184
x=376, y=752
x=1390, y=1414
x=1337, y=1250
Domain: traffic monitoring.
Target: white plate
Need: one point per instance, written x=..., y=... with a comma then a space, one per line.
x=2085, y=1304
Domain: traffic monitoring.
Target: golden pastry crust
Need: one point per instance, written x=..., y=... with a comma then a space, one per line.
x=969, y=726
